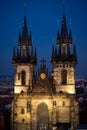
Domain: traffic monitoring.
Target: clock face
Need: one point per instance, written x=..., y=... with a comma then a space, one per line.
x=43, y=76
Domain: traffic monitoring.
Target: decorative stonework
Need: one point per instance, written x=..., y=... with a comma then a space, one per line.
x=42, y=101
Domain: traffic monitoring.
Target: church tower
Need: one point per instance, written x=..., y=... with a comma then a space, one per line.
x=24, y=61
x=64, y=62
x=44, y=101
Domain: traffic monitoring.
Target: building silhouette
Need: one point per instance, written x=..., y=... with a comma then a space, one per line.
x=42, y=101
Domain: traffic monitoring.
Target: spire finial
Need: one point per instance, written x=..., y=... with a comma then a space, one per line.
x=63, y=3
x=25, y=7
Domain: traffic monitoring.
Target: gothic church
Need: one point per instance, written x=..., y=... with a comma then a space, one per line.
x=42, y=101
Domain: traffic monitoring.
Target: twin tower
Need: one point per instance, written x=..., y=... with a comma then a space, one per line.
x=42, y=101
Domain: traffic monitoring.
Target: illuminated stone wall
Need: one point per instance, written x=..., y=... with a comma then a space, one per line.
x=61, y=108
x=31, y=111
x=70, y=85
x=18, y=87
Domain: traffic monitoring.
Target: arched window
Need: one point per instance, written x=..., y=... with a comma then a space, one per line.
x=23, y=77
x=64, y=76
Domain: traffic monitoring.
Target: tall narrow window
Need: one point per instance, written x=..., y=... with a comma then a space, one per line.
x=22, y=111
x=64, y=76
x=23, y=77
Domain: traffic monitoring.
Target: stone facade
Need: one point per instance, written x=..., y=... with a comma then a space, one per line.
x=33, y=111
x=43, y=101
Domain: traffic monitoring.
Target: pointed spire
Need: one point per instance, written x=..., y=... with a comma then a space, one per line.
x=58, y=38
x=30, y=39
x=59, y=51
x=19, y=39
x=32, y=51
x=24, y=51
x=35, y=56
x=70, y=37
x=64, y=32
x=25, y=31
x=17, y=52
x=55, y=52
x=38, y=72
x=74, y=54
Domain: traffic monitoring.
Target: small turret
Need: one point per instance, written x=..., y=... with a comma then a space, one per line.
x=62, y=53
x=74, y=54
x=32, y=52
x=64, y=32
x=24, y=51
x=70, y=37
x=35, y=56
x=30, y=40
x=58, y=38
x=53, y=54
x=19, y=39
x=24, y=32
x=14, y=54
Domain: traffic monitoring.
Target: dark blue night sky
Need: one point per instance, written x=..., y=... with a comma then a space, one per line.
x=43, y=18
